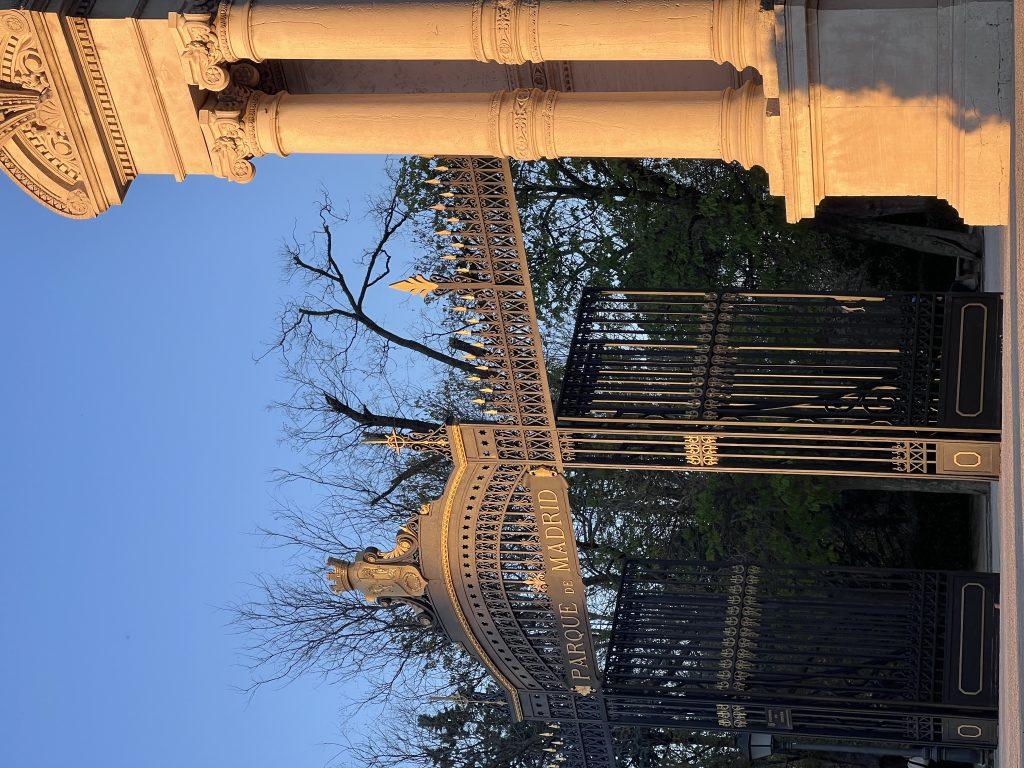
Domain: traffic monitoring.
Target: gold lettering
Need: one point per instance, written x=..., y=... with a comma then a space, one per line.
x=558, y=534
x=559, y=564
x=568, y=608
x=546, y=498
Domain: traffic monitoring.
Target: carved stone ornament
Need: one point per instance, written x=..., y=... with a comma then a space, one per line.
x=210, y=34
x=506, y=31
x=203, y=57
x=521, y=124
x=385, y=578
x=37, y=148
x=231, y=122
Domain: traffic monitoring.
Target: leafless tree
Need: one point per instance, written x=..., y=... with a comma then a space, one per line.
x=351, y=371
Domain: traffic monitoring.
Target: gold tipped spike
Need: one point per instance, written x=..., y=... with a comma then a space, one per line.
x=473, y=320
x=417, y=285
x=449, y=257
x=442, y=232
x=464, y=332
x=486, y=390
x=463, y=270
x=438, y=207
x=460, y=309
x=458, y=245
x=447, y=194
x=491, y=412
x=479, y=401
x=469, y=355
x=441, y=168
x=468, y=297
x=433, y=181
x=474, y=377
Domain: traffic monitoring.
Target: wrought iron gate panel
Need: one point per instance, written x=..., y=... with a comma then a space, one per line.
x=794, y=383
x=844, y=652
x=757, y=357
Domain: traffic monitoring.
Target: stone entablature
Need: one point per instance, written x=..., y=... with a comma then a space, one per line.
x=831, y=98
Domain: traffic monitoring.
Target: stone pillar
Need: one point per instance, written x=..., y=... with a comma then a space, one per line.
x=503, y=31
x=527, y=124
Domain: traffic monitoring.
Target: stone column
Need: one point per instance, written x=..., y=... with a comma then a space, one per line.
x=503, y=31
x=527, y=124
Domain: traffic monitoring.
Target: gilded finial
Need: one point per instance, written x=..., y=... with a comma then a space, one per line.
x=417, y=285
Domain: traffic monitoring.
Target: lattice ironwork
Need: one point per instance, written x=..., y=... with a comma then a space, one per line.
x=502, y=571
x=498, y=576
x=849, y=653
x=491, y=282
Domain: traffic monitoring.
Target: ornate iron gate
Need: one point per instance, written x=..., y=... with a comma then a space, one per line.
x=906, y=383
x=851, y=653
x=493, y=562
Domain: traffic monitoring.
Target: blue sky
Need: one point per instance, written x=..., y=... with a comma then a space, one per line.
x=138, y=447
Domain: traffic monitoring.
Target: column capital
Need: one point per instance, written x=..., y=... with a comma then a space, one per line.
x=211, y=36
x=522, y=124
x=506, y=31
x=239, y=124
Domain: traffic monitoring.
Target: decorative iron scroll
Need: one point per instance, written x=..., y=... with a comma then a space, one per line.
x=851, y=653
x=791, y=383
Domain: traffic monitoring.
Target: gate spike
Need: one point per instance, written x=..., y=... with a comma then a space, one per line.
x=417, y=285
